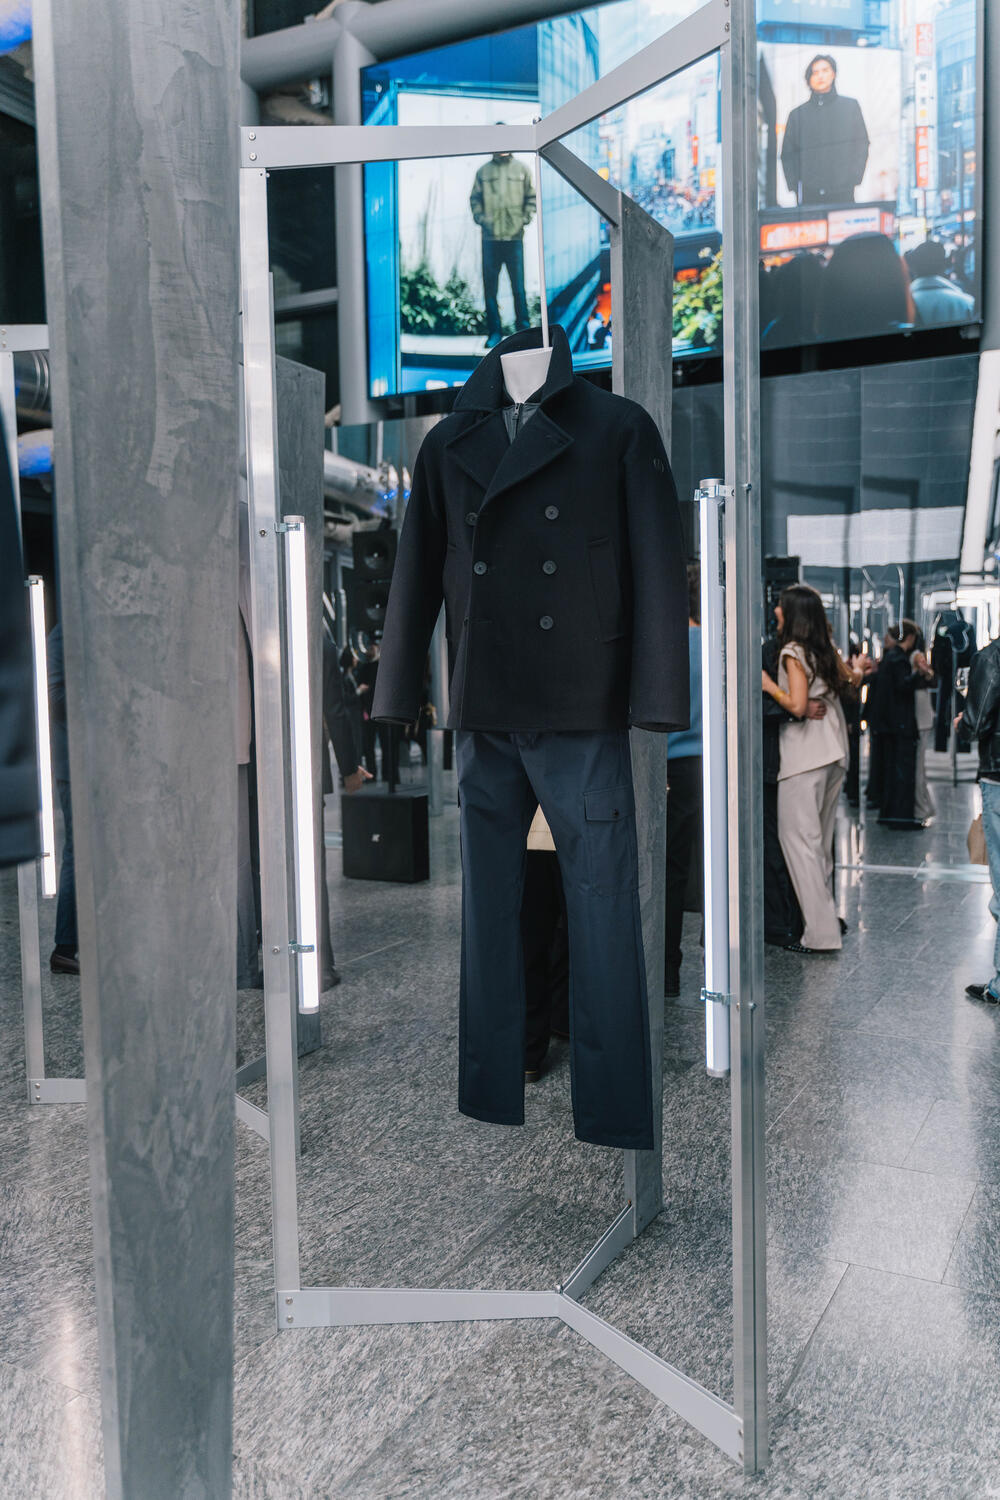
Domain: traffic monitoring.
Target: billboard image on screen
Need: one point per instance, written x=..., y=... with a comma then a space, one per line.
x=869, y=123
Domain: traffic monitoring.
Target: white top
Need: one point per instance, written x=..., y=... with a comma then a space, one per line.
x=809, y=744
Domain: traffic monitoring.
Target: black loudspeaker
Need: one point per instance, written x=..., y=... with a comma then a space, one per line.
x=374, y=554
x=779, y=572
x=366, y=602
x=385, y=835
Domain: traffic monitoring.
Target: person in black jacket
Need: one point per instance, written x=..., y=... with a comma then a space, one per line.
x=980, y=720
x=898, y=736
x=825, y=148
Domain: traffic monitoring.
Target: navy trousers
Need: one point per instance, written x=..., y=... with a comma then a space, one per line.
x=584, y=785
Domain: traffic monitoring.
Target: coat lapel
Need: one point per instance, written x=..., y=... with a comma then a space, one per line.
x=496, y=464
x=539, y=442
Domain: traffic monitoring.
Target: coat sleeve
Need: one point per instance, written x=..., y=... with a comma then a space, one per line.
x=979, y=716
x=660, y=687
x=415, y=597
x=790, y=153
x=858, y=145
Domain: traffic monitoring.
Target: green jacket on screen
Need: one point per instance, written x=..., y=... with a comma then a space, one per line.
x=503, y=198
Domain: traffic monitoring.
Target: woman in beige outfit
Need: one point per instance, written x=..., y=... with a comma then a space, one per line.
x=814, y=754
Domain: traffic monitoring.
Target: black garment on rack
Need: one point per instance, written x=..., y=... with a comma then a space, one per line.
x=20, y=830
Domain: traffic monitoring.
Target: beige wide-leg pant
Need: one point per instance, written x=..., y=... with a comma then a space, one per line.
x=923, y=801
x=807, y=808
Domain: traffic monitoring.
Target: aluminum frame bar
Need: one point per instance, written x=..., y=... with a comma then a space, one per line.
x=281, y=147
x=58, y=1090
x=687, y=42
x=617, y=1237
x=741, y=408
x=589, y=184
x=280, y=1011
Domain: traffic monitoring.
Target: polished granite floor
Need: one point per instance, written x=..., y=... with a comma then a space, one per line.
x=883, y=1182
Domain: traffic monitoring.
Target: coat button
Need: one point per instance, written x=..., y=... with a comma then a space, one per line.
x=472, y=518
x=480, y=568
x=548, y=566
x=546, y=622
x=552, y=513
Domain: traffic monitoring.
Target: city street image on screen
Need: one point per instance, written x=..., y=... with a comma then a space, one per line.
x=869, y=133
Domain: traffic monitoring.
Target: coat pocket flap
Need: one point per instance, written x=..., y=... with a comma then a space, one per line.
x=608, y=804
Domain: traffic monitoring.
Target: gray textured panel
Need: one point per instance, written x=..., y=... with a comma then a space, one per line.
x=300, y=477
x=140, y=211
x=642, y=260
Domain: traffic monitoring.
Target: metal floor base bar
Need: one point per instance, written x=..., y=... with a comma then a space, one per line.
x=253, y=1117
x=346, y=1307
x=251, y=1071
x=612, y=1242
x=57, y=1090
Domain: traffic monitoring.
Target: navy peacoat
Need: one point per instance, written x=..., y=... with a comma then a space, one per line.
x=559, y=558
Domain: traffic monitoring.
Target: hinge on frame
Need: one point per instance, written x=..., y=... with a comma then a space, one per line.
x=302, y=948
x=719, y=492
x=281, y=526
x=716, y=997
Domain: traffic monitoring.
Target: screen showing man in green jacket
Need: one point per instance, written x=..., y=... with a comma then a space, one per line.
x=503, y=205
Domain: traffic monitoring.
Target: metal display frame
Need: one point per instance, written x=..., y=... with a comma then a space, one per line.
x=726, y=28
x=29, y=338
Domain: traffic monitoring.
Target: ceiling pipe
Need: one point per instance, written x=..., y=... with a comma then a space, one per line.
x=389, y=29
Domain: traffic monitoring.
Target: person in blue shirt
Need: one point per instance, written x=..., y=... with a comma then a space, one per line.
x=684, y=801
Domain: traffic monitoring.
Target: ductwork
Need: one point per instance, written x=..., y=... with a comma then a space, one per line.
x=386, y=30
x=372, y=491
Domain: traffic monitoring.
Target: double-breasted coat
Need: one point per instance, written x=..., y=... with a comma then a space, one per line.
x=559, y=558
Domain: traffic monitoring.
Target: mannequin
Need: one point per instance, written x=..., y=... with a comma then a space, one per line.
x=525, y=372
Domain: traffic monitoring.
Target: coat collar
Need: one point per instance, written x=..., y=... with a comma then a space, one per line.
x=484, y=450
x=484, y=389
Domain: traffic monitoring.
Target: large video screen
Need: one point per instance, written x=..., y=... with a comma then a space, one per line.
x=869, y=126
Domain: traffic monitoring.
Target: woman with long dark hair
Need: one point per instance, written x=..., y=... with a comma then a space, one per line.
x=814, y=754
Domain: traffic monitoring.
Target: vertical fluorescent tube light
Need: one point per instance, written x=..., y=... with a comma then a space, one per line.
x=307, y=940
x=715, y=802
x=36, y=604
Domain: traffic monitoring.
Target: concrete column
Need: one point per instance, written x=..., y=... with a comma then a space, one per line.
x=137, y=123
x=349, y=57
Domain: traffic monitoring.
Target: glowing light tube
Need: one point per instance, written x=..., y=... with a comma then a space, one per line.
x=36, y=605
x=307, y=943
x=715, y=798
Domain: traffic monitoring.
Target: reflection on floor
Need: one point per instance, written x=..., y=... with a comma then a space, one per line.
x=883, y=1109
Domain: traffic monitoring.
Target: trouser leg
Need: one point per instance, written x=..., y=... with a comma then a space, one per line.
x=683, y=831
x=66, y=934
x=800, y=808
x=782, y=918
x=514, y=257
x=923, y=801
x=991, y=829
x=497, y=805
x=491, y=282
x=584, y=785
x=540, y=913
x=899, y=777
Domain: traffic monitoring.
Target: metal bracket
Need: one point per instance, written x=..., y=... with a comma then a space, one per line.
x=718, y=492
x=281, y=526
x=302, y=948
x=715, y=997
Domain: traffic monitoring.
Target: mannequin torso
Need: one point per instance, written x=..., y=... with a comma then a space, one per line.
x=524, y=372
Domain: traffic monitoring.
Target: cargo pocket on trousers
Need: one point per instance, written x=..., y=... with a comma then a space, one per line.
x=609, y=837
